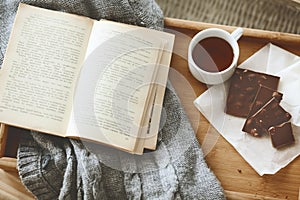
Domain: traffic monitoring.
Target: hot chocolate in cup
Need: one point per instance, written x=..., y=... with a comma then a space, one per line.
x=213, y=54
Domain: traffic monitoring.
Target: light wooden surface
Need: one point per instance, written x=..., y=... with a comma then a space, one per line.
x=11, y=187
x=2, y=139
x=238, y=179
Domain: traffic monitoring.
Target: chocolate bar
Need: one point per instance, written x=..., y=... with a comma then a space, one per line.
x=281, y=135
x=264, y=94
x=243, y=88
x=271, y=114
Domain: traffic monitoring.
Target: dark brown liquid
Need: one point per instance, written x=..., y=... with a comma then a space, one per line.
x=213, y=54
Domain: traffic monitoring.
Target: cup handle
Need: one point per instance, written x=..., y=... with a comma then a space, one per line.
x=237, y=33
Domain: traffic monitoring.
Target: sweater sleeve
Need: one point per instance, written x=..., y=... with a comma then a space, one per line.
x=42, y=165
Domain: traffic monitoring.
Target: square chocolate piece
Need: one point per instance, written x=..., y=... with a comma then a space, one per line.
x=271, y=114
x=263, y=95
x=281, y=135
x=243, y=88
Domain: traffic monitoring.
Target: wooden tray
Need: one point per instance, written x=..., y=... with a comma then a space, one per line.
x=236, y=176
x=238, y=179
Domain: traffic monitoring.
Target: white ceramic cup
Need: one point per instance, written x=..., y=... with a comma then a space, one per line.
x=213, y=78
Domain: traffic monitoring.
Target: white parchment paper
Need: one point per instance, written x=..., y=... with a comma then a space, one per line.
x=259, y=152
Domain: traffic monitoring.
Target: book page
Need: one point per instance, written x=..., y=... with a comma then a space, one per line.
x=161, y=82
x=145, y=127
x=43, y=59
x=114, y=84
x=150, y=136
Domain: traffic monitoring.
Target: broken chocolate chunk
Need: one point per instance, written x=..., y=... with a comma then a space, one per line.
x=243, y=88
x=271, y=114
x=264, y=94
x=281, y=135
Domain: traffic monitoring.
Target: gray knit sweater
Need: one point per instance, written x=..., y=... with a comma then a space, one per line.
x=59, y=168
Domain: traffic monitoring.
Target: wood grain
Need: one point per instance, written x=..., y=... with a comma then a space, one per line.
x=297, y=1
x=11, y=187
x=237, y=177
x=8, y=164
x=3, y=137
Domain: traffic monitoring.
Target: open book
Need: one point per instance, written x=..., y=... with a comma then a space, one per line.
x=72, y=76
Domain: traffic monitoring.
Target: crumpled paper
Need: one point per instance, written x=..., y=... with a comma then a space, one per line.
x=259, y=152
